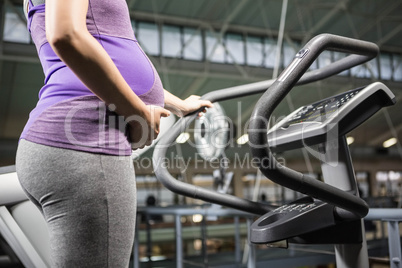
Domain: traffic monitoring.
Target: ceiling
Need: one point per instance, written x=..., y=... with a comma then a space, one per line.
x=372, y=20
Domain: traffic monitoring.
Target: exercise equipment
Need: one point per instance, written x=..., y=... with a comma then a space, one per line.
x=21, y=224
x=165, y=124
x=332, y=211
x=322, y=124
x=211, y=133
x=366, y=50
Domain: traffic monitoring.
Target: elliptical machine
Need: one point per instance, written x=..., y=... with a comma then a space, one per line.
x=332, y=211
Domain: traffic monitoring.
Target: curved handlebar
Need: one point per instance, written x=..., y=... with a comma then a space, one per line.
x=258, y=140
x=169, y=138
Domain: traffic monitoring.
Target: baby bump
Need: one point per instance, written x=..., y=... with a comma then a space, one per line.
x=132, y=63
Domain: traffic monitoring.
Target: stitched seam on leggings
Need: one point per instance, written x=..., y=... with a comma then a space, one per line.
x=107, y=207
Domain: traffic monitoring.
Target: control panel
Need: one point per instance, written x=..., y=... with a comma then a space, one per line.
x=321, y=110
x=329, y=118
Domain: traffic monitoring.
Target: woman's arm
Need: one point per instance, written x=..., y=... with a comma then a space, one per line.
x=182, y=107
x=68, y=35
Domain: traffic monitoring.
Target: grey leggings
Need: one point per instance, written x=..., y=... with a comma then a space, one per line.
x=88, y=201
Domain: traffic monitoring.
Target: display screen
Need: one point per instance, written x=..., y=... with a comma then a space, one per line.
x=319, y=111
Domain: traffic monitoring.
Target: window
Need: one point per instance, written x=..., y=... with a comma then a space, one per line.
x=397, y=64
x=192, y=44
x=324, y=59
x=366, y=70
x=269, y=52
x=254, y=48
x=15, y=30
x=372, y=69
x=359, y=71
x=214, y=48
x=388, y=182
x=171, y=41
x=288, y=54
x=338, y=56
x=235, y=47
x=148, y=37
x=385, y=66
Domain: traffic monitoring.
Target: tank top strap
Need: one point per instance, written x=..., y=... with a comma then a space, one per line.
x=34, y=6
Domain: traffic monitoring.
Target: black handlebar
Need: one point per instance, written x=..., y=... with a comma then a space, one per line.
x=365, y=51
x=258, y=140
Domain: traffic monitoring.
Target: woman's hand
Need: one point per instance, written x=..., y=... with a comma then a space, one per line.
x=193, y=103
x=183, y=107
x=144, y=129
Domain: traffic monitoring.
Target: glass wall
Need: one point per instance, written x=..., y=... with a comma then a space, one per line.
x=172, y=41
x=214, y=47
x=231, y=48
x=147, y=35
x=193, y=48
x=254, y=50
x=235, y=46
x=15, y=30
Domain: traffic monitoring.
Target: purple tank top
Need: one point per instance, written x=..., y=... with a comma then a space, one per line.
x=68, y=115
